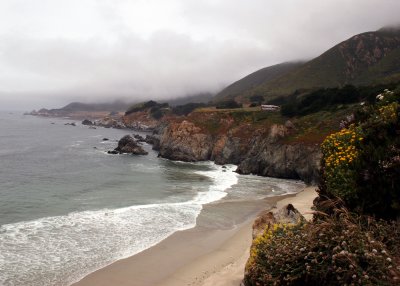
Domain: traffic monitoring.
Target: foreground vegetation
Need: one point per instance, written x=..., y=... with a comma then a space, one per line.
x=354, y=237
x=340, y=249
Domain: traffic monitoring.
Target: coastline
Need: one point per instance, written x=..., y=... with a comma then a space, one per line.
x=204, y=255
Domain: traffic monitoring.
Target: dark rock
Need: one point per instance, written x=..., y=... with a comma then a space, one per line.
x=296, y=161
x=92, y=127
x=113, y=152
x=105, y=139
x=139, y=138
x=87, y=122
x=128, y=145
x=71, y=124
x=153, y=140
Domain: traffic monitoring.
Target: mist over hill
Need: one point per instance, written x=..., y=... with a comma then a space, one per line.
x=367, y=58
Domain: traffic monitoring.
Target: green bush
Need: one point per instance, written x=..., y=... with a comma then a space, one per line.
x=299, y=104
x=341, y=249
x=187, y=108
x=229, y=104
x=361, y=163
x=151, y=104
x=256, y=98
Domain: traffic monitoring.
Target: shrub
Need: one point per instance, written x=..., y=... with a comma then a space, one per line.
x=254, y=104
x=157, y=113
x=256, y=99
x=229, y=104
x=341, y=249
x=151, y=104
x=340, y=152
x=361, y=163
x=327, y=99
x=187, y=108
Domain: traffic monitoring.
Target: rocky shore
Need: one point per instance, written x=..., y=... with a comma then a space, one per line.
x=258, y=150
x=262, y=152
x=128, y=145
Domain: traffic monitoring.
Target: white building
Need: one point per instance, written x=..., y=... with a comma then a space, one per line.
x=270, y=107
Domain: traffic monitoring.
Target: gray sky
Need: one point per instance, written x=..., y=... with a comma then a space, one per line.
x=56, y=51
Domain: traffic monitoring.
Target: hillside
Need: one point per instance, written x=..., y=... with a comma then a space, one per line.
x=364, y=59
x=256, y=79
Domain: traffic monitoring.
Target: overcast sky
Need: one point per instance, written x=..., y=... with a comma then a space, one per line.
x=56, y=51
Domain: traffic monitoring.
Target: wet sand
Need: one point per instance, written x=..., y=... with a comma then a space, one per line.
x=212, y=253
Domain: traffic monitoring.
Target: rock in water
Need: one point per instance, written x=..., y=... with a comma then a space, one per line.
x=87, y=122
x=128, y=145
x=139, y=138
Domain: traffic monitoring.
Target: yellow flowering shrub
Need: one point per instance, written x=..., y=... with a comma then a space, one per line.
x=388, y=113
x=277, y=229
x=361, y=163
x=340, y=151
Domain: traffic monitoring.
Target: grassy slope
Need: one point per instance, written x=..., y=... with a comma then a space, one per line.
x=310, y=129
x=366, y=58
x=255, y=79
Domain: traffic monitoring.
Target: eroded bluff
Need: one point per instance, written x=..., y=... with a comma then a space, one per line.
x=255, y=151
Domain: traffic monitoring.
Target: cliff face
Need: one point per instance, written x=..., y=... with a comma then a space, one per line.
x=185, y=142
x=261, y=152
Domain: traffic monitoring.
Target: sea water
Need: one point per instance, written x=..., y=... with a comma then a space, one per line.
x=67, y=208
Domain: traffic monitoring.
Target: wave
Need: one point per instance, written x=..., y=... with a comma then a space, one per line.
x=60, y=250
x=223, y=178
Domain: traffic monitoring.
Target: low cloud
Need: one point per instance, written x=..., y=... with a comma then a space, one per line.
x=201, y=47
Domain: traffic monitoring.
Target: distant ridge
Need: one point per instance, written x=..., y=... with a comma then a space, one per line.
x=367, y=58
x=113, y=106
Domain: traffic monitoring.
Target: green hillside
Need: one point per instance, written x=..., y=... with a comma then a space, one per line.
x=256, y=79
x=364, y=59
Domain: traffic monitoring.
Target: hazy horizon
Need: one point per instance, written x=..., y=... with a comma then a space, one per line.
x=54, y=52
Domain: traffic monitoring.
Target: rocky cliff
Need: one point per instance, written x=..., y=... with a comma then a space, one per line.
x=260, y=151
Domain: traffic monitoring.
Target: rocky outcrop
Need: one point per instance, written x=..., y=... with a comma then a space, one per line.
x=266, y=222
x=153, y=140
x=185, y=142
x=109, y=122
x=291, y=161
x=262, y=152
x=286, y=215
x=128, y=145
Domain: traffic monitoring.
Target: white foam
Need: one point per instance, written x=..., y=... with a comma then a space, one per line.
x=60, y=250
x=223, y=177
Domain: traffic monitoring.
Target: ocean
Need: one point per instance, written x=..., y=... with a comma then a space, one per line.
x=67, y=208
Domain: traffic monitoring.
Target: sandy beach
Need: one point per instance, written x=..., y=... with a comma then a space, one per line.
x=202, y=255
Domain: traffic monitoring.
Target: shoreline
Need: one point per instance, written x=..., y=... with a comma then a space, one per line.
x=204, y=255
